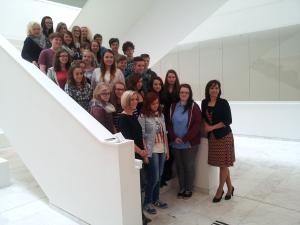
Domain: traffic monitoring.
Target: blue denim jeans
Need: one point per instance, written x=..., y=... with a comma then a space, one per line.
x=154, y=171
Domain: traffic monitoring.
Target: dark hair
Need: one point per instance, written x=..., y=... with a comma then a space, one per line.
x=113, y=97
x=145, y=55
x=55, y=35
x=59, y=25
x=43, y=25
x=72, y=45
x=113, y=67
x=209, y=85
x=137, y=59
x=56, y=64
x=71, y=79
x=152, y=81
x=126, y=45
x=149, y=99
x=132, y=81
x=176, y=85
x=113, y=40
x=121, y=58
x=190, y=99
x=97, y=36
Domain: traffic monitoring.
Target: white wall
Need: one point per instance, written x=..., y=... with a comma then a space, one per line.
x=260, y=66
x=64, y=147
x=154, y=26
x=266, y=119
x=16, y=14
x=246, y=16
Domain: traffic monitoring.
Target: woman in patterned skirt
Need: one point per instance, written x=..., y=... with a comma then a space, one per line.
x=217, y=119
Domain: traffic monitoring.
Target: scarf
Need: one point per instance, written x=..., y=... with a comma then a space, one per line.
x=40, y=40
x=108, y=107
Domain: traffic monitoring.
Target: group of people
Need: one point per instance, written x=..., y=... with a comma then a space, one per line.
x=125, y=95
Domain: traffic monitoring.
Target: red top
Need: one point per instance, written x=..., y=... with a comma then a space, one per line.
x=62, y=77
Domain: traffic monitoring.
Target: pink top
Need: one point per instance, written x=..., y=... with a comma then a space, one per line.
x=62, y=77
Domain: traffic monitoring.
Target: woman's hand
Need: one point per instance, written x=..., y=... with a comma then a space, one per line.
x=167, y=155
x=146, y=160
x=143, y=153
x=178, y=140
x=208, y=128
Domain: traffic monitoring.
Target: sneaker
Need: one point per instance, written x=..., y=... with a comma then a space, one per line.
x=150, y=209
x=187, y=194
x=180, y=194
x=160, y=204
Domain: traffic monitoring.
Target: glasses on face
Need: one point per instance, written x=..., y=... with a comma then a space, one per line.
x=105, y=94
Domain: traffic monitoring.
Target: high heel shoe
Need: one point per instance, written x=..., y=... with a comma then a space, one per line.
x=215, y=199
x=227, y=197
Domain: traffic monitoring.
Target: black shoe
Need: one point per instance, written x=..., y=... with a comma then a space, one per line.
x=180, y=194
x=215, y=199
x=187, y=194
x=227, y=197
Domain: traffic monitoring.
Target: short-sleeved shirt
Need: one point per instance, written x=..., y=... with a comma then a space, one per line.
x=47, y=58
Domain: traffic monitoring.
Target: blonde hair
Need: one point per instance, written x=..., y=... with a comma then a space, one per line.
x=93, y=63
x=30, y=27
x=89, y=34
x=100, y=88
x=126, y=99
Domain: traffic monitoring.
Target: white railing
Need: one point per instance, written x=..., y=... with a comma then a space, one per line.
x=65, y=148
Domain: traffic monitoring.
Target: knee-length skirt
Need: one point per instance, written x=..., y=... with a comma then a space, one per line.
x=221, y=151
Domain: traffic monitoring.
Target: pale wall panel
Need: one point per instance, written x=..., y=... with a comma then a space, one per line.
x=290, y=63
x=170, y=61
x=188, y=59
x=236, y=68
x=264, y=65
x=210, y=62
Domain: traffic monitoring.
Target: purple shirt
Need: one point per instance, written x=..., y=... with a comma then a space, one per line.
x=47, y=58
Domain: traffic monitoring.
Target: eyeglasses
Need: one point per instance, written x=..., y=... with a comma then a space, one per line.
x=105, y=94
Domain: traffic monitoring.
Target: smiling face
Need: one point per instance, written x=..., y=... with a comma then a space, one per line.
x=139, y=67
x=184, y=94
x=56, y=42
x=154, y=105
x=119, y=90
x=108, y=58
x=48, y=23
x=122, y=65
x=115, y=46
x=63, y=58
x=171, y=78
x=87, y=57
x=214, y=91
x=95, y=47
x=156, y=86
x=67, y=39
x=35, y=30
x=105, y=95
x=134, y=100
x=78, y=75
x=84, y=32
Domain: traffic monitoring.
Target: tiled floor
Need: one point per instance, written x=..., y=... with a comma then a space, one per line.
x=266, y=177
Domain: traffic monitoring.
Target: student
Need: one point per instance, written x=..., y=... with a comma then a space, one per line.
x=148, y=73
x=122, y=63
x=184, y=133
x=135, y=83
x=69, y=46
x=61, y=28
x=77, y=87
x=59, y=72
x=108, y=73
x=114, y=46
x=115, y=99
x=100, y=107
x=76, y=36
x=86, y=36
x=155, y=138
x=33, y=44
x=98, y=38
x=138, y=67
x=128, y=50
x=47, y=29
x=95, y=48
x=217, y=119
x=46, y=57
x=90, y=64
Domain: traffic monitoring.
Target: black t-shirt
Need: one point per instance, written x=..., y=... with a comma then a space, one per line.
x=131, y=129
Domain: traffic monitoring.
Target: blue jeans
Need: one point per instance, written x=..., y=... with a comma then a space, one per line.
x=154, y=171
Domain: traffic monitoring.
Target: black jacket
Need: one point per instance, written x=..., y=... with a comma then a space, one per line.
x=220, y=113
x=31, y=50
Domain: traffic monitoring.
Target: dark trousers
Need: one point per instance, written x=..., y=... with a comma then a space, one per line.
x=167, y=173
x=185, y=166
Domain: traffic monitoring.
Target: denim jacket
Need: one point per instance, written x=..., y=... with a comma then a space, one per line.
x=148, y=125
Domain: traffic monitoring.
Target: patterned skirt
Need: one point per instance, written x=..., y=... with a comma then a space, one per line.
x=221, y=151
